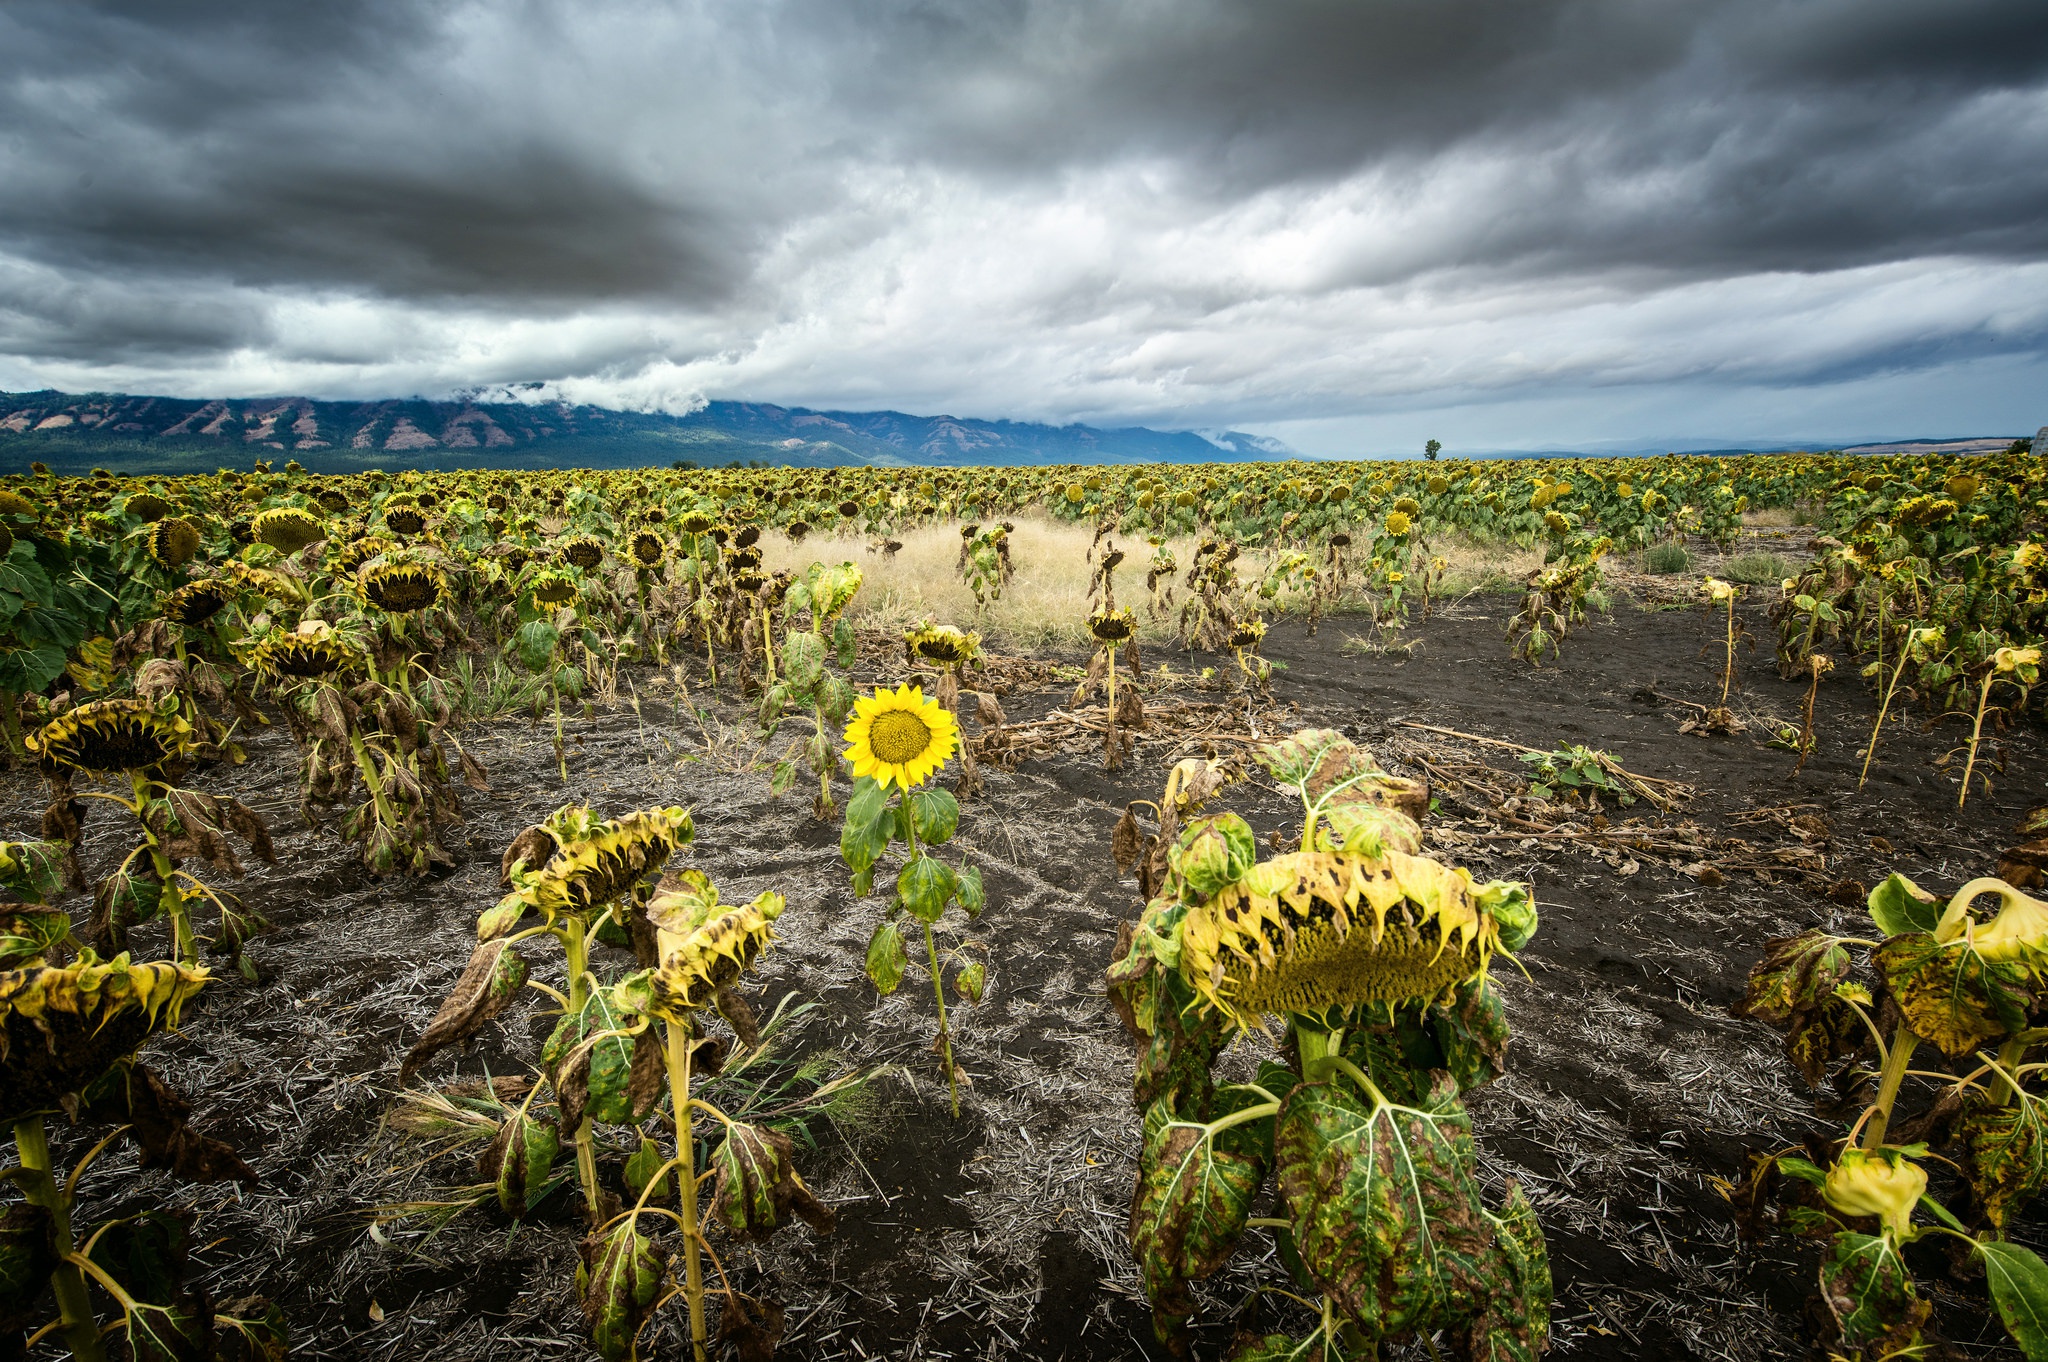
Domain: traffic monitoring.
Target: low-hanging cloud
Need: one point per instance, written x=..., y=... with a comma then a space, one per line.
x=1197, y=212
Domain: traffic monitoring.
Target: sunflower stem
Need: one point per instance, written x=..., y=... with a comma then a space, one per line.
x=686, y=1160
x=67, y=1283
x=1903, y=1041
x=1976, y=733
x=170, y=897
x=931, y=947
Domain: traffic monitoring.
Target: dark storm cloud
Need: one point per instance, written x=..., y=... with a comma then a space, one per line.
x=1206, y=205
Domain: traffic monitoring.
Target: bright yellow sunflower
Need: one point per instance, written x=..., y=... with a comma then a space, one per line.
x=899, y=736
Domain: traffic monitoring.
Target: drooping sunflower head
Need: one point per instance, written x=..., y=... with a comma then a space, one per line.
x=147, y=506
x=112, y=735
x=552, y=586
x=1340, y=540
x=287, y=528
x=332, y=501
x=796, y=530
x=943, y=644
x=647, y=549
x=1313, y=930
x=585, y=551
x=400, y=587
x=747, y=536
x=599, y=866
x=849, y=509
x=13, y=503
x=900, y=737
x=404, y=520
x=311, y=651
x=1248, y=633
x=702, y=947
x=1112, y=626
x=173, y=541
x=695, y=523
x=75, y=1022
x=195, y=603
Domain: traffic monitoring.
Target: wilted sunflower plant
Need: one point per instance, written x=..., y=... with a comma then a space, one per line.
x=1941, y=975
x=819, y=601
x=621, y=1046
x=150, y=747
x=69, y=1033
x=1114, y=630
x=903, y=739
x=1375, y=962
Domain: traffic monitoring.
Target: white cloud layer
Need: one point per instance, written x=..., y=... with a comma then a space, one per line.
x=1635, y=222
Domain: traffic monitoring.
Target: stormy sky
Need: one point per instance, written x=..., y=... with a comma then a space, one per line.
x=1354, y=225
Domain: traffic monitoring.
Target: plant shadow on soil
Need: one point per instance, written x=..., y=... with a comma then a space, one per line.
x=1001, y=1234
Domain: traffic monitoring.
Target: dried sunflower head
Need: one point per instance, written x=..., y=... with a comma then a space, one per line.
x=695, y=523
x=701, y=946
x=312, y=650
x=62, y=1028
x=147, y=506
x=174, y=541
x=647, y=549
x=584, y=551
x=1112, y=626
x=400, y=586
x=597, y=865
x=404, y=520
x=1248, y=633
x=943, y=644
x=195, y=603
x=287, y=528
x=1313, y=930
x=552, y=586
x=111, y=735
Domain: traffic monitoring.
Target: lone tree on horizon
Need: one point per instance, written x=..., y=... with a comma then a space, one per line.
x=1429, y=451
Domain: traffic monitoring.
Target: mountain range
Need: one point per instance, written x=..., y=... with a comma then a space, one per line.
x=71, y=432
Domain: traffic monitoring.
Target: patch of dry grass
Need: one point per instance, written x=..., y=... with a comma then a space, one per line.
x=1046, y=603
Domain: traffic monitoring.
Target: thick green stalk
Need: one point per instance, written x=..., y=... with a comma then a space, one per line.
x=686, y=1158
x=67, y=1283
x=368, y=769
x=185, y=942
x=1903, y=1041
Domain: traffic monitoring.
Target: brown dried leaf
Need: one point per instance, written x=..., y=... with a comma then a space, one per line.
x=535, y=846
x=488, y=984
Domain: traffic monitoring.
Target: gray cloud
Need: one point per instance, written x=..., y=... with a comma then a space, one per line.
x=1227, y=210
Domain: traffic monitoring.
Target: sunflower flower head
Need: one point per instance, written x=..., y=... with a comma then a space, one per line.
x=1112, y=626
x=399, y=586
x=600, y=863
x=193, y=604
x=647, y=549
x=287, y=528
x=173, y=541
x=111, y=735
x=552, y=586
x=701, y=945
x=943, y=644
x=899, y=737
x=584, y=551
x=311, y=651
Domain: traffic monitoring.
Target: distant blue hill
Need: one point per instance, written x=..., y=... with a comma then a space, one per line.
x=71, y=432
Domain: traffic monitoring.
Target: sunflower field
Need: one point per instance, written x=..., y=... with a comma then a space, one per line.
x=470, y=914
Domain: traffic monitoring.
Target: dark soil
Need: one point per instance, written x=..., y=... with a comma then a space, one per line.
x=1001, y=1234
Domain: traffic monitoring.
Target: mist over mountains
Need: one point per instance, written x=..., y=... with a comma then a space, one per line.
x=72, y=431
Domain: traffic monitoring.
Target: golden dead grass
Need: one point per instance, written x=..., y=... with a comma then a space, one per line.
x=1046, y=602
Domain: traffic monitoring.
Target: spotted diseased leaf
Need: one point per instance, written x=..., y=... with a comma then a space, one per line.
x=2019, y=1288
x=617, y=1283
x=1951, y=996
x=970, y=981
x=1385, y=1209
x=2007, y=1156
x=887, y=957
x=1868, y=1295
x=1175, y=1060
x=518, y=1162
x=1793, y=989
x=758, y=1188
x=1795, y=975
x=1194, y=1192
x=1472, y=1031
x=488, y=984
x=1513, y=1324
x=609, y=1076
x=29, y=933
